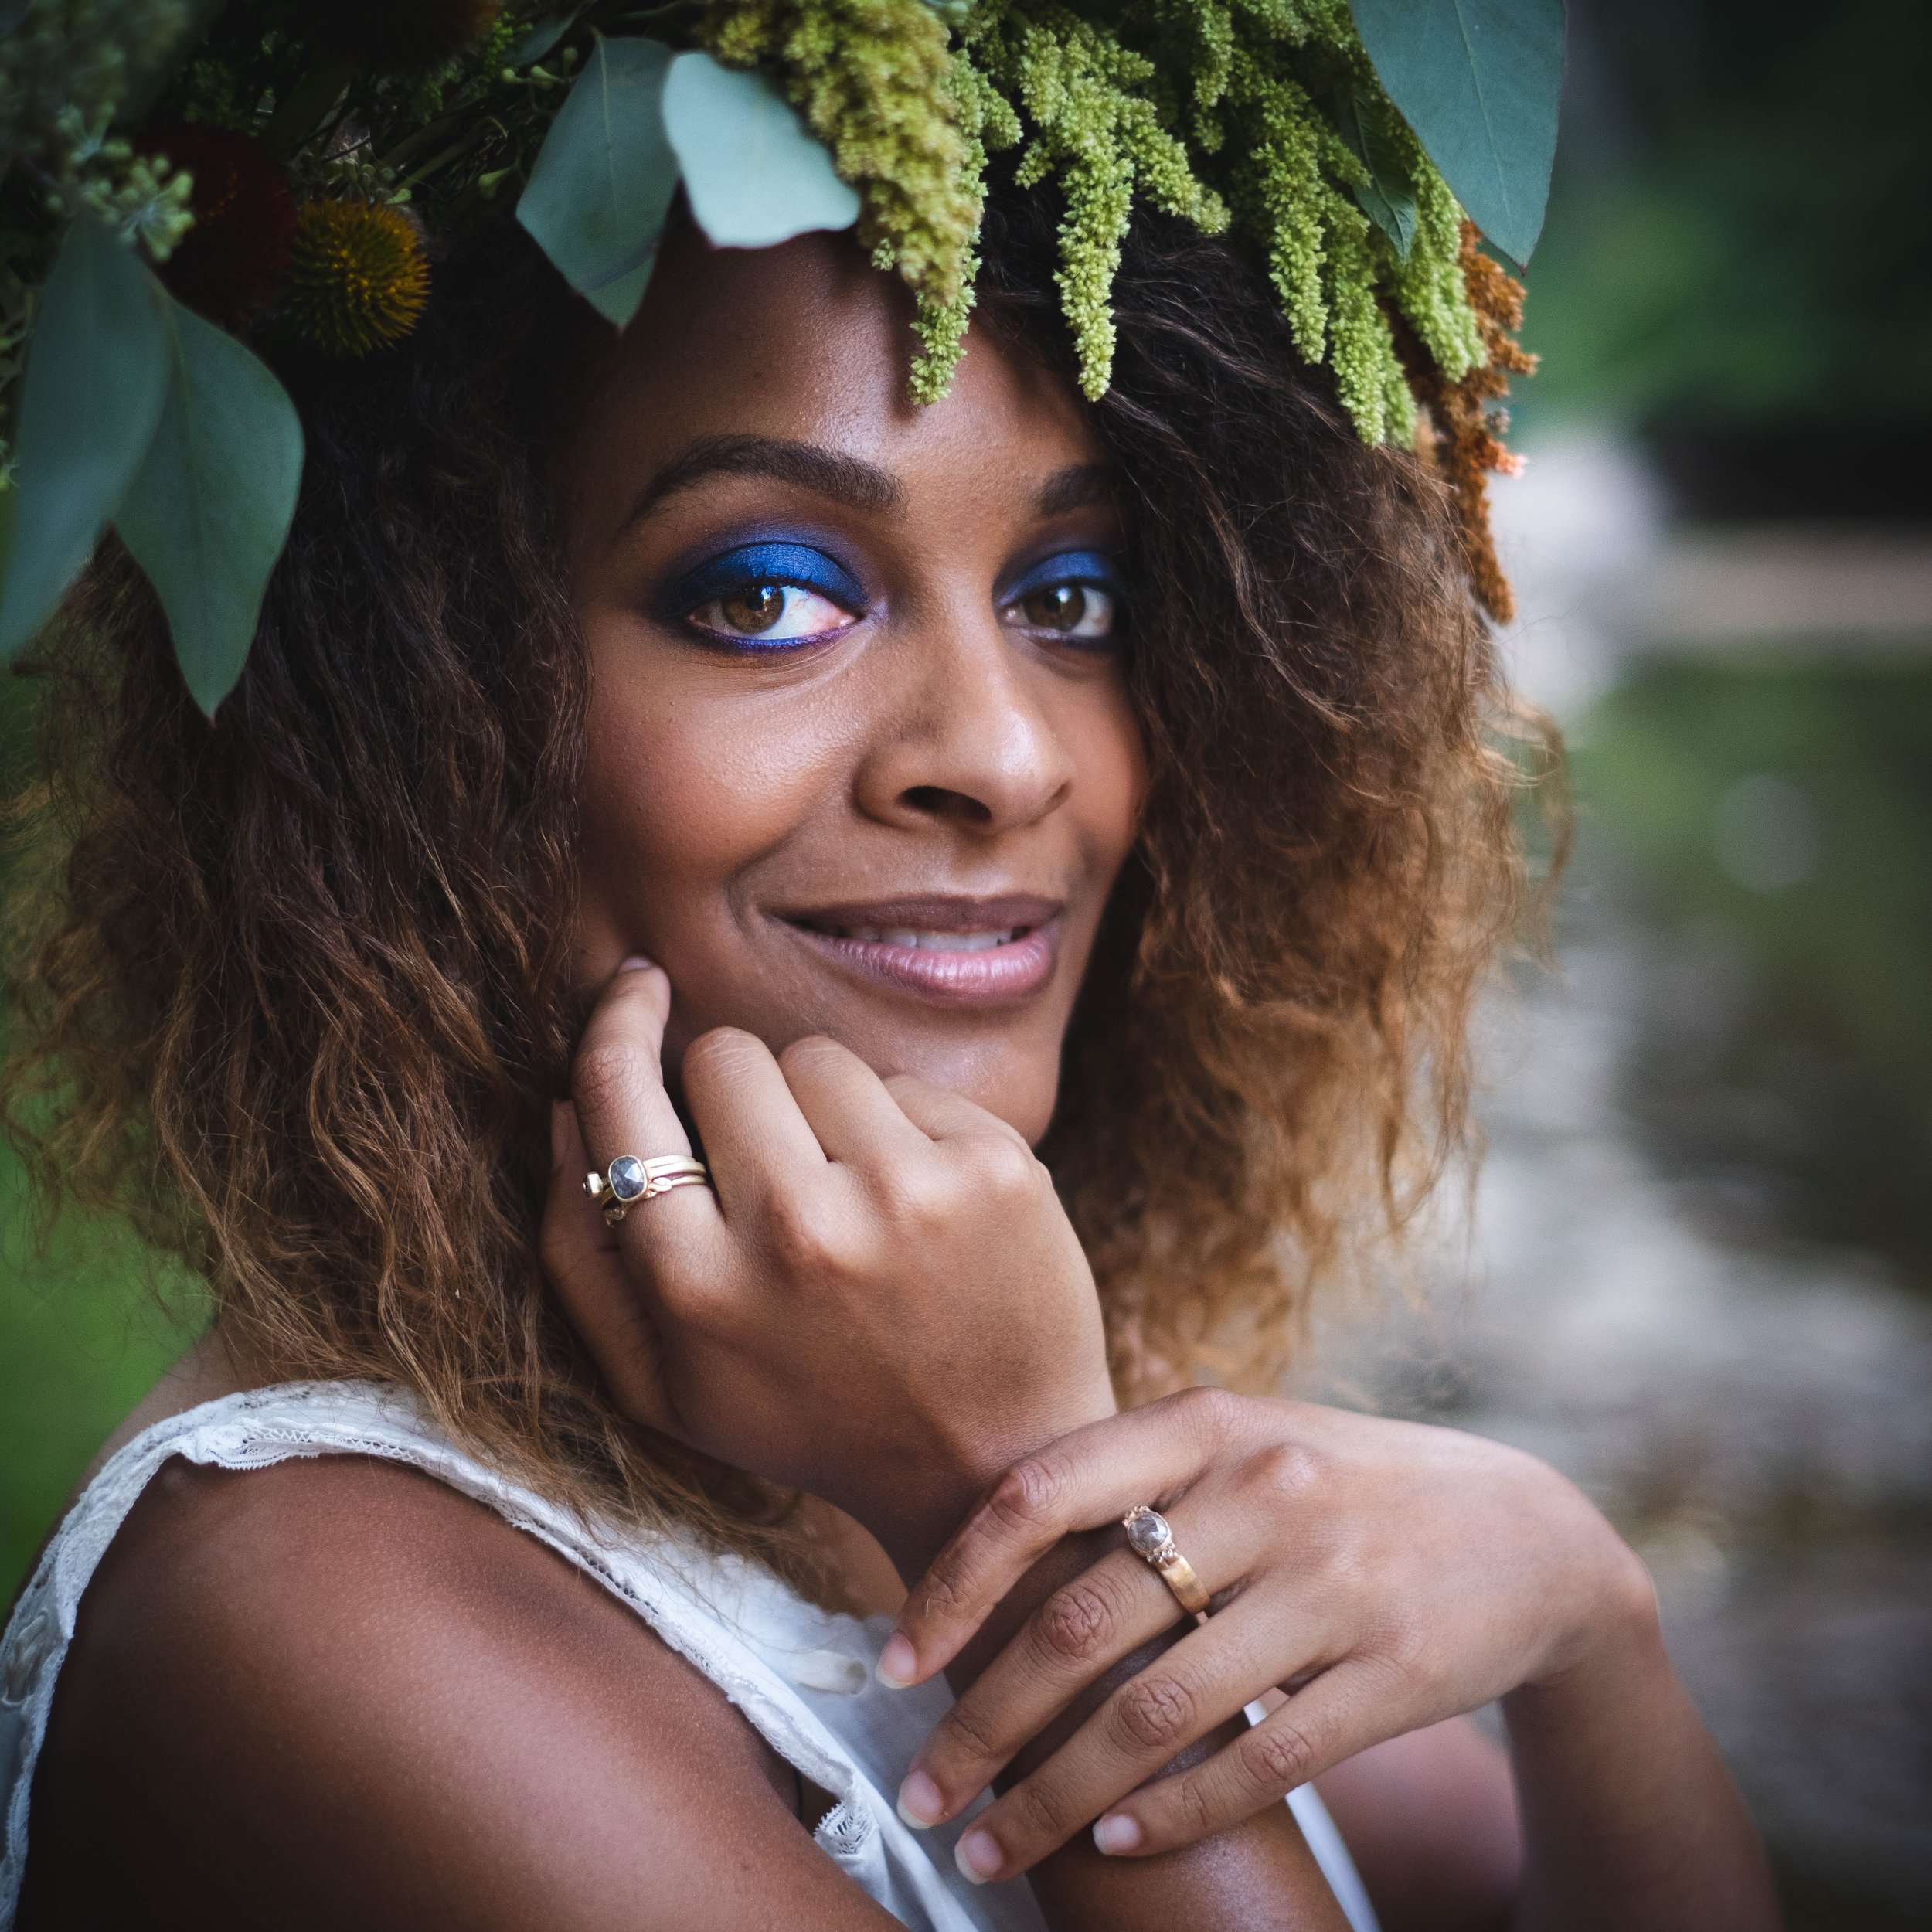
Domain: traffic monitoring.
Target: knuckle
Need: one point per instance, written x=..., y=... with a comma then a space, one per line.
x=606, y=1073
x=1194, y=1815
x=1285, y=1473
x=804, y=1238
x=944, y=1595
x=1041, y=1811
x=1028, y=1497
x=1002, y=1163
x=1210, y=1412
x=1154, y=1712
x=1277, y=1757
x=969, y=1733
x=1075, y=1623
x=906, y=1193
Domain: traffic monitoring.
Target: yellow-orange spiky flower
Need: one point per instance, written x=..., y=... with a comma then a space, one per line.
x=358, y=278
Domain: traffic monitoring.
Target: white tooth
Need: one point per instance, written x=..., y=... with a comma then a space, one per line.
x=865, y=935
x=900, y=936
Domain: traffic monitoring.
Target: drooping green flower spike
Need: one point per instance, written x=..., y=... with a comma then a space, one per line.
x=1359, y=145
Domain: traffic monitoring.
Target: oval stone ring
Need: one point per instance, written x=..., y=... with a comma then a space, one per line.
x=1149, y=1538
x=628, y=1180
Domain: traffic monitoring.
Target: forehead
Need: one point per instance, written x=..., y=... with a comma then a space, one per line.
x=808, y=342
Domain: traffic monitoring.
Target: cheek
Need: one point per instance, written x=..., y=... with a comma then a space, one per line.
x=681, y=796
x=1111, y=756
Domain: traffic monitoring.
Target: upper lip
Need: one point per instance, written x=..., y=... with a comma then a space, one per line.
x=931, y=913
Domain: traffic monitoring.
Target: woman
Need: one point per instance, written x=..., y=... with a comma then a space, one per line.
x=683, y=741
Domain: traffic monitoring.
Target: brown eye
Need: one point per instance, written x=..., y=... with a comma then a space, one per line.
x=753, y=607
x=1060, y=607
x=1081, y=613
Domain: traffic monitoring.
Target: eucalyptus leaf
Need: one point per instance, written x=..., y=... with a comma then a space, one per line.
x=208, y=512
x=603, y=183
x=95, y=375
x=1478, y=81
x=544, y=32
x=1388, y=199
x=753, y=172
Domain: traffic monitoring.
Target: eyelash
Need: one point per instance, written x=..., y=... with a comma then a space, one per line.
x=799, y=573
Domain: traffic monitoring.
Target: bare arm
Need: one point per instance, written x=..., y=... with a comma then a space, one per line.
x=337, y=1693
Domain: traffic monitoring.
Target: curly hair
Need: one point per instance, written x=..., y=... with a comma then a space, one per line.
x=291, y=991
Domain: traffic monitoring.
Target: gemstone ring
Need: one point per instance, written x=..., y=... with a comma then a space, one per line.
x=1150, y=1538
x=628, y=1180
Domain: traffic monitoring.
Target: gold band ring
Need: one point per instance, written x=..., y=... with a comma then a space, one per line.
x=628, y=1180
x=1149, y=1538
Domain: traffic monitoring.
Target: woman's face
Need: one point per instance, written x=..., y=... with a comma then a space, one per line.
x=861, y=757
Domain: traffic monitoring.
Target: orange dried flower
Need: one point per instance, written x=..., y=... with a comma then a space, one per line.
x=1468, y=446
x=232, y=263
x=359, y=279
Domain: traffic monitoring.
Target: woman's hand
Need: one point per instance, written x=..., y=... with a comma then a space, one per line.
x=1384, y=1575
x=883, y=1303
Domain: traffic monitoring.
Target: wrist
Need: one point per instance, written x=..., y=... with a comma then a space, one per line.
x=1613, y=1650
x=918, y=1506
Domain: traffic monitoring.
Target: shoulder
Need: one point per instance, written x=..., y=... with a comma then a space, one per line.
x=336, y=1690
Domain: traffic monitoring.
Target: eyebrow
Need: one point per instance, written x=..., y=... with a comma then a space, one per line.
x=1081, y=486
x=846, y=480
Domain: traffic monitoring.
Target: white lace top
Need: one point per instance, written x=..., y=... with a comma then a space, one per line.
x=802, y=1675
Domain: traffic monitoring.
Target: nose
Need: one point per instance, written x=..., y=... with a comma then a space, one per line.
x=965, y=733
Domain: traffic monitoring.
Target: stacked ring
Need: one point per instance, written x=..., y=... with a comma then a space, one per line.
x=628, y=1180
x=1150, y=1538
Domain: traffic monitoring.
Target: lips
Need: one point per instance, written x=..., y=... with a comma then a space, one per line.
x=954, y=950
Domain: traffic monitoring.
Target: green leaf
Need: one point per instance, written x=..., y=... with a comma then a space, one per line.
x=1478, y=81
x=1388, y=199
x=208, y=513
x=97, y=371
x=544, y=32
x=603, y=183
x=753, y=172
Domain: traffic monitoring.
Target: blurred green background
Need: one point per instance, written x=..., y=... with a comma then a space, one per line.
x=1733, y=291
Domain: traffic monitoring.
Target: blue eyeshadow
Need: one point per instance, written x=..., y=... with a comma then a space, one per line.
x=768, y=561
x=1065, y=567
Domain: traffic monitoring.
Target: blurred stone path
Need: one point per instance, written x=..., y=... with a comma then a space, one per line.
x=1757, y=1421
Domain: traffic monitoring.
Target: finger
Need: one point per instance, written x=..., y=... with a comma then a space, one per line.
x=617, y=1081
x=755, y=1140
x=1211, y=1676
x=582, y=1265
x=1090, y=1477
x=857, y=1121
x=1313, y=1731
x=1080, y=1632
x=942, y=1114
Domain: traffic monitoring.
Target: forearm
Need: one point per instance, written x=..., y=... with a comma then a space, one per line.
x=1629, y=1815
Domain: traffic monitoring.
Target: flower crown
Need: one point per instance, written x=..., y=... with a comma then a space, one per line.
x=179, y=179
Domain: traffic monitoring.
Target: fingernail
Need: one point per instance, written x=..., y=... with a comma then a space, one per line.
x=919, y=1802
x=636, y=963
x=1117, y=1832
x=978, y=1857
x=897, y=1663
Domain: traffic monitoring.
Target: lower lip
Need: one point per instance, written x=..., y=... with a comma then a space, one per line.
x=998, y=976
